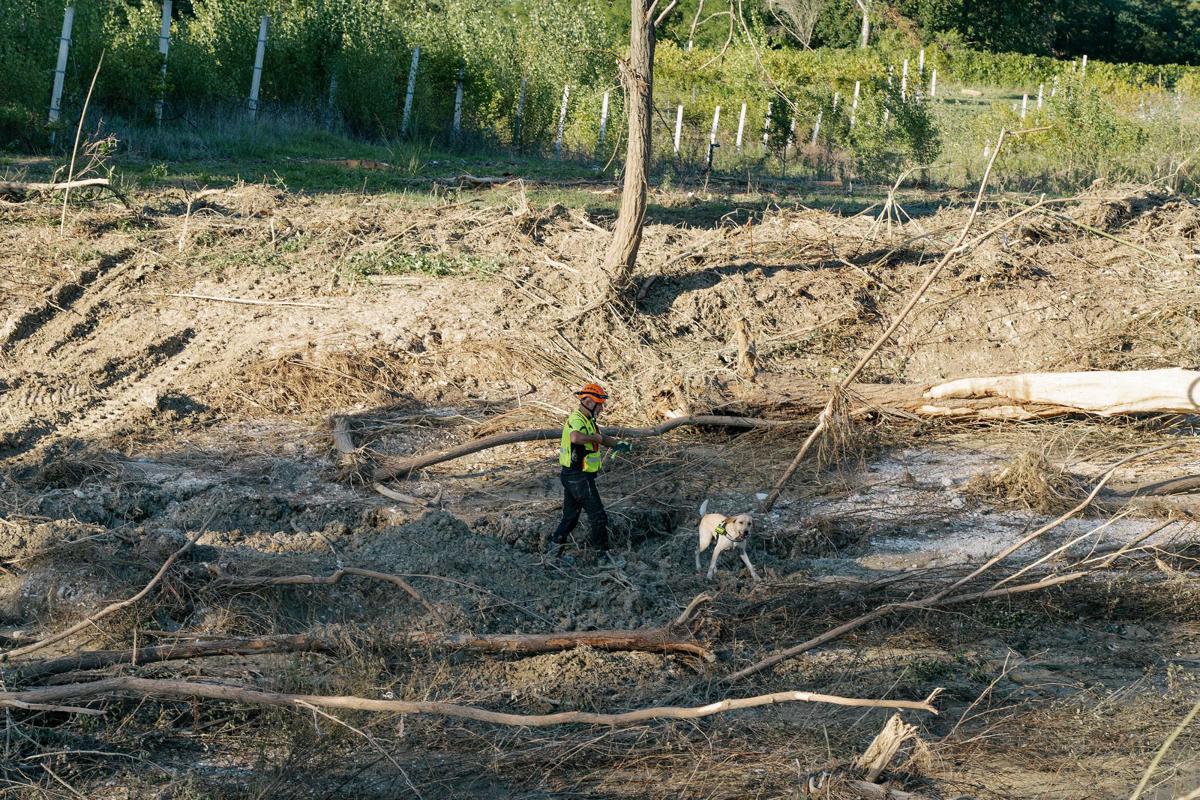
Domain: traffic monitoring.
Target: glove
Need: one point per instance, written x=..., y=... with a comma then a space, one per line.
x=623, y=447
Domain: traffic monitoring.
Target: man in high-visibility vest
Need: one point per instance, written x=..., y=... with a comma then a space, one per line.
x=580, y=459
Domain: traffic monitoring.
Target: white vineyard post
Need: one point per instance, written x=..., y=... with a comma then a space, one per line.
x=407, y=115
x=164, y=43
x=562, y=122
x=678, y=128
x=256, y=79
x=603, y=121
x=456, y=123
x=60, y=72
x=741, y=127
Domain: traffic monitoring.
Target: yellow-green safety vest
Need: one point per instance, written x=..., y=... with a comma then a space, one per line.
x=578, y=421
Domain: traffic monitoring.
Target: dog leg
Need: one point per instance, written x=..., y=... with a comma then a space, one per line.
x=746, y=558
x=712, y=567
x=701, y=546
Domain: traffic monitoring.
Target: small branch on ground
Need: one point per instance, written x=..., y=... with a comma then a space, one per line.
x=226, y=579
x=107, y=610
x=17, y=190
x=146, y=687
x=249, y=302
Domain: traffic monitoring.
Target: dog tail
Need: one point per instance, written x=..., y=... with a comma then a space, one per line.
x=704, y=507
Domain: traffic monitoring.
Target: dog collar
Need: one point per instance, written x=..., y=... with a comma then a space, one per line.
x=720, y=530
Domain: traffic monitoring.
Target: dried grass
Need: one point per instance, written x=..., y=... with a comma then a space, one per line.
x=1028, y=482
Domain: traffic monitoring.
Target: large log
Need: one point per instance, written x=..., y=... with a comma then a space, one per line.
x=1025, y=396
x=1153, y=391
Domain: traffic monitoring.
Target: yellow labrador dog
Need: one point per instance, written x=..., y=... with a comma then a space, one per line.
x=728, y=532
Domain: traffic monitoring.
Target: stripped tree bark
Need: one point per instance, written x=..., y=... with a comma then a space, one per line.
x=53, y=696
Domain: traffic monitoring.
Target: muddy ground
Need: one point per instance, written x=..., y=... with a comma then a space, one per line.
x=132, y=417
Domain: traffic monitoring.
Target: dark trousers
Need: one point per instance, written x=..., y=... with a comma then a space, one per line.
x=579, y=494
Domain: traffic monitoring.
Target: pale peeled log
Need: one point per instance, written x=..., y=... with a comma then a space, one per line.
x=1144, y=391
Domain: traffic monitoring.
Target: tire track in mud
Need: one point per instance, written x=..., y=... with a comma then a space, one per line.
x=136, y=393
x=59, y=301
x=82, y=400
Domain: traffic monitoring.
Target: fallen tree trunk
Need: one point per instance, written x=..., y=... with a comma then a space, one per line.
x=1155, y=391
x=649, y=640
x=99, y=659
x=667, y=639
x=394, y=467
x=1036, y=395
x=48, y=698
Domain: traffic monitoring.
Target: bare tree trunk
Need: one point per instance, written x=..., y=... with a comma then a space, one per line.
x=637, y=77
x=695, y=22
x=865, y=7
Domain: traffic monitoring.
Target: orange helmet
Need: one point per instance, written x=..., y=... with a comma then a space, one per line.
x=594, y=392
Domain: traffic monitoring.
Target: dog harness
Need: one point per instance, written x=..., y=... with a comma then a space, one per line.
x=720, y=530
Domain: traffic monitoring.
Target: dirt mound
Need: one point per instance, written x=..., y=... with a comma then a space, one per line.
x=582, y=678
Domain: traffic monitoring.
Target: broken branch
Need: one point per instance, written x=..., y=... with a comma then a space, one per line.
x=145, y=687
x=649, y=640
x=248, y=302
x=107, y=610
x=17, y=190
x=98, y=659
x=225, y=579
